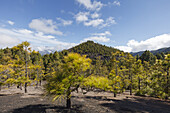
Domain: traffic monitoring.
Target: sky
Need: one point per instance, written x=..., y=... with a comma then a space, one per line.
x=129, y=25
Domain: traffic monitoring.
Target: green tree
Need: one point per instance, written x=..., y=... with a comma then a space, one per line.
x=166, y=64
x=130, y=61
x=3, y=75
x=69, y=78
x=95, y=82
x=115, y=82
x=157, y=80
x=19, y=71
x=25, y=47
x=148, y=56
x=159, y=56
x=138, y=71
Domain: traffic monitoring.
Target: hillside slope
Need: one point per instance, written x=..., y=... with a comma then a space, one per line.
x=93, y=50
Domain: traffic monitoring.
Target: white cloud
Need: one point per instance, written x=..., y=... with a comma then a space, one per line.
x=102, y=34
x=10, y=22
x=65, y=22
x=117, y=3
x=47, y=26
x=93, y=20
x=94, y=23
x=43, y=48
x=153, y=43
x=11, y=37
x=58, y=46
x=95, y=15
x=7, y=41
x=41, y=35
x=82, y=16
x=24, y=31
x=124, y=48
x=109, y=21
x=88, y=4
x=98, y=39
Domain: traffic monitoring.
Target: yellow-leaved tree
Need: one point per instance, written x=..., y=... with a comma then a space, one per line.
x=68, y=78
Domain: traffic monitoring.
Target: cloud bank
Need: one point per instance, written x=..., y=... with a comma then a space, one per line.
x=153, y=43
x=38, y=40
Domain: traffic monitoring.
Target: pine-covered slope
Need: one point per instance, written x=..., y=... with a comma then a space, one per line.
x=93, y=50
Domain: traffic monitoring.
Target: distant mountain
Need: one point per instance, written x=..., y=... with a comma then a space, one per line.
x=47, y=51
x=164, y=50
x=93, y=50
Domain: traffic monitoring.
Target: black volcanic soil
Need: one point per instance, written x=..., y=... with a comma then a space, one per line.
x=15, y=101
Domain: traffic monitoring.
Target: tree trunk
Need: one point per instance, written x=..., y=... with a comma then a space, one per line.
x=40, y=78
x=0, y=87
x=130, y=76
x=139, y=83
x=130, y=90
x=114, y=94
x=68, y=102
x=26, y=87
x=26, y=71
x=20, y=86
x=167, y=88
x=37, y=79
x=8, y=85
x=123, y=83
x=36, y=85
x=116, y=82
x=40, y=81
x=68, y=99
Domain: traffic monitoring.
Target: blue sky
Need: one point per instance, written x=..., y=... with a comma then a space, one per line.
x=129, y=25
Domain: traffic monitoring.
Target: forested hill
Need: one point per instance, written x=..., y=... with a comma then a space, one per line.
x=162, y=50
x=93, y=50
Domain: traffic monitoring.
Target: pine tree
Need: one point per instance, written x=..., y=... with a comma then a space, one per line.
x=130, y=60
x=166, y=64
x=69, y=78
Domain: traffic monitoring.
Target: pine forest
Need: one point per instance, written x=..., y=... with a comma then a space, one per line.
x=89, y=66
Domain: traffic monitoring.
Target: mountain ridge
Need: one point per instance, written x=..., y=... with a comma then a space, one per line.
x=164, y=50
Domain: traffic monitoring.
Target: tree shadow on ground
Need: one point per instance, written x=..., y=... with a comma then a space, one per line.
x=138, y=105
x=135, y=104
x=3, y=95
x=47, y=108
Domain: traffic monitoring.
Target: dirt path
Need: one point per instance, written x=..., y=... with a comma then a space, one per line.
x=15, y=101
